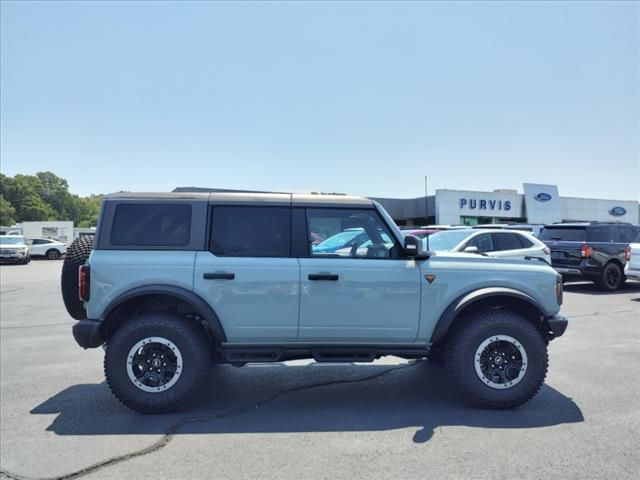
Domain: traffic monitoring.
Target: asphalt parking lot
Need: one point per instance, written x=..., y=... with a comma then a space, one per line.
x=302, y=420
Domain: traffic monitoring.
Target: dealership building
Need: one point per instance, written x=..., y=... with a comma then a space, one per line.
x=537, y=204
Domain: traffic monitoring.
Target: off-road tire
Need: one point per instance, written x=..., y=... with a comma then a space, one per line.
x=465, y=339
x=77, y=255
x=436, y=354
x=188, y=336
x=612, y=277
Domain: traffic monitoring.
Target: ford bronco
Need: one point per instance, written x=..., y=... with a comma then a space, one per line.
x=174, y=282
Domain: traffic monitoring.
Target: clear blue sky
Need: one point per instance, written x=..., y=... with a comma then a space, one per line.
x=362, y=98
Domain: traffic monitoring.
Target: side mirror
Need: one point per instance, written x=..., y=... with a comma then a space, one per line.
x=470, y=250
x=413, y=247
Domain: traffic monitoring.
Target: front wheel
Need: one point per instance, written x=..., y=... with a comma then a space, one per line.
x=156, y=361
x=497, y=359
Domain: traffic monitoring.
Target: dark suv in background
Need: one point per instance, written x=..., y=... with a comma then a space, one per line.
x=591, y=251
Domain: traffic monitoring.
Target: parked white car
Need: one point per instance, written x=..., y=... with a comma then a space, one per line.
x=632, y=256
x=492, y=242
x=45, y=247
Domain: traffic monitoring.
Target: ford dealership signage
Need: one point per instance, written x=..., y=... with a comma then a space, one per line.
x=618, y=211
x=542, y=197
x=473, y=203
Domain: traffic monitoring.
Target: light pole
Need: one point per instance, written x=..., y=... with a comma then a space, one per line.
x=426, y=202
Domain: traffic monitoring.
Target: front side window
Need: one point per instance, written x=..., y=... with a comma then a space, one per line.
x=348, y=233
x=251, y=231
x=151, y=225
x=483, y=242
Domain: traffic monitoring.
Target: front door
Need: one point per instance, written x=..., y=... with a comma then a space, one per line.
x=356, y=288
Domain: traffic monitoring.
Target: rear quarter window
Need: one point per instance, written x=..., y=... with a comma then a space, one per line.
x=151, y=225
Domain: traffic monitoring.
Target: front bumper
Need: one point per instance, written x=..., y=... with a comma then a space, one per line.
x=87, y=333
x=557, y=325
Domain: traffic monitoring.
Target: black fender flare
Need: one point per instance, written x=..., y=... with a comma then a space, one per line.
x=200, y=306
x=461, y=303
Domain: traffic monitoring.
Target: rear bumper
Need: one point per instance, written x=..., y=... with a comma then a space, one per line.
x=87, y=333
x=568, y=271
x=557, y=325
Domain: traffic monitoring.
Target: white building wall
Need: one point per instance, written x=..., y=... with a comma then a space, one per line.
x=591, y=209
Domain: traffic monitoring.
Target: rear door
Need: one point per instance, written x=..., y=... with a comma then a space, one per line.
x=364, y=293
x=248, y=275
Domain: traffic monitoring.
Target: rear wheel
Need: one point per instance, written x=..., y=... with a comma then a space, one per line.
x=53, y=254
x=611, y=277
x=497, y=359
x=156, y=361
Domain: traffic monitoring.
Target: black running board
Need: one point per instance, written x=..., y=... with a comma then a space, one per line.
x=321, y=354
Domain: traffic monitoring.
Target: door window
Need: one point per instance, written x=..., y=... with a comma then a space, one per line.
x=507, y=241
x=348, y=234
x=251, y=231
x=483, y=242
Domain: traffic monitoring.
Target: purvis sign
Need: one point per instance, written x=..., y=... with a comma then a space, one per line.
x=472, y=203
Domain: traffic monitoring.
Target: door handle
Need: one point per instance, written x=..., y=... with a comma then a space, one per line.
x=324, y=276
x=218, y=276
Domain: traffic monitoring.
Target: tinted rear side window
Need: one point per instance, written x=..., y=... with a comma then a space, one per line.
x=564, y=234
x=251, y=231
x=153, y=225
x=598, y=234
x=507, y=241
x=626, y=234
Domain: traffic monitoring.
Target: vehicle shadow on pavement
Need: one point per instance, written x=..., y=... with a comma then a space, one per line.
x=281, y=398
x=593, y=289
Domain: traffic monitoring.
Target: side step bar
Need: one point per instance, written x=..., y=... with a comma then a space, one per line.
x=246, y=354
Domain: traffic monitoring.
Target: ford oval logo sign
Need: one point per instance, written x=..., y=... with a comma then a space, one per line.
x=618, y=211
x=542, y=197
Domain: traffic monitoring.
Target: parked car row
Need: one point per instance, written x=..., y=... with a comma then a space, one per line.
x=600, y=252
x=18, y=249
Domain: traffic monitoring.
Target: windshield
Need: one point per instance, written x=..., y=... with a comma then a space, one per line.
x=564, y=234
x=11, y=240
x=447, y=240
x=339, y=239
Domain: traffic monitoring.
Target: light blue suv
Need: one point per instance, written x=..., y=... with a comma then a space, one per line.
x=176, y=281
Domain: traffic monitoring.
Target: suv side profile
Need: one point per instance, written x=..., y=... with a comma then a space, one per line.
x=176, y=281
x=590, y=251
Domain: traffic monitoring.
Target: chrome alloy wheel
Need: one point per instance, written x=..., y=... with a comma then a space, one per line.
x=500, y=362
x=154, y=364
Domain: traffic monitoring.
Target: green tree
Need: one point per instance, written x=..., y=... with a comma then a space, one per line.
x=45, y=196
x=7, y=212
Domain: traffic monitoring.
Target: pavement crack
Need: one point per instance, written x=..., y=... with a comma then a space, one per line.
x=172, y=430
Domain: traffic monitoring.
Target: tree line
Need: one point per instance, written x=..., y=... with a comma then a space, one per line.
x=44, y=196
